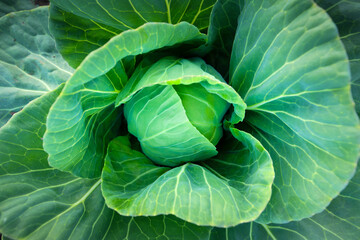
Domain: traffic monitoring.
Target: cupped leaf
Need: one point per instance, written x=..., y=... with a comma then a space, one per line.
x=172, y=71
x=340, y=220
x=171, y=130
x=345, y=15
x=158, y=119
x=222, y=29
x=209, y=194
x=30, y=65
x=40, y=202
x=8, y=6
x=291, y=69
x=83, y=118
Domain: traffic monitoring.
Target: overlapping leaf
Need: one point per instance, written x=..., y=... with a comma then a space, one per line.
x=30, y=65
x=169, y=71
x=230, y=189
x=8, y=6
x=291, y=69
x=39, y=202
x=340, y=220
x=174, y=125
x=83, y=118
x=165, y=133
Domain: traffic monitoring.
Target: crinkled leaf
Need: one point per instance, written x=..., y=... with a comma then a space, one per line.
x=205, y=195
x=40, y=202
x=83, y=118
x=341, y=220
x=222, y=28
x=30, y=65
x=291, y=69
x=8, y=6
x=345, y=15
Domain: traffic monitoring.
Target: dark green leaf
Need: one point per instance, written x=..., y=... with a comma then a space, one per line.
x=130, y=14
x=345, y=15
x=222, y=28
x=75, y=36
x=80, y=27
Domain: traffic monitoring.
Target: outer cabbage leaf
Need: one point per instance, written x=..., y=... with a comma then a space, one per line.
x=130, y=14
x=83, y=118
x=80, y=27
x=345, y=15
x=40, y=202
x=75, y=36
x=340, y=220
x=205, y=194
x=291, y=69
x=30, y=65
x=8, y=6
x=222, y=29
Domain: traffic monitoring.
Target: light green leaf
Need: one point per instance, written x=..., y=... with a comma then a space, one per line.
x=291, y=69
x=83, y=118
x=341, y=220
x=345, y=15
x=205, y=195
x=171, y=71
x=222, y=28
x=158, y=119
x=39, y=202
x=171, y=135
x=30, y=65
x=8, y=6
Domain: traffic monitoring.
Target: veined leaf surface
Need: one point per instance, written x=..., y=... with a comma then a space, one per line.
x=291, y=69
x=345, y=15
x=83, y=118
x=205, y=194
x=30, y=65
x=40, y=202
x=222, y=29
x=80, y=27
x=340, y=220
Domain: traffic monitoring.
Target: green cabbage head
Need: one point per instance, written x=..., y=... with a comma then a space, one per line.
x=181, y=119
